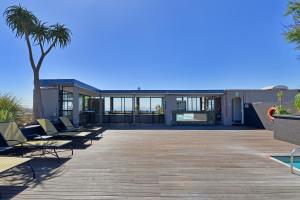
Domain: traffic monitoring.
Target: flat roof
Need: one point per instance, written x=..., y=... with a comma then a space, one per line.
x=67, y=83
x=74, y=82
x=162, y=91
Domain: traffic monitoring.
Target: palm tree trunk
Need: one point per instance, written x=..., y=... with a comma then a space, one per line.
x=38, y=111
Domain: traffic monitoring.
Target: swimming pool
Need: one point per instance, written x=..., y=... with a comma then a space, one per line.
x=286, y=161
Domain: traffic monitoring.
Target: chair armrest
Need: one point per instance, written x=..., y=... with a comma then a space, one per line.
x=19, y=142
x=41, y=137
x=5, y=148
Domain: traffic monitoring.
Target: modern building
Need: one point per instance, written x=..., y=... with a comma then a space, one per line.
x=83, y=103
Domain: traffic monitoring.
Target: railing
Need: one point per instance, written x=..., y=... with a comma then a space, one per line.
x=144, y=118
x=87, y=117
x=293, y=152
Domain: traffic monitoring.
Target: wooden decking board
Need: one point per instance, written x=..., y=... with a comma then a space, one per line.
x=164, y=164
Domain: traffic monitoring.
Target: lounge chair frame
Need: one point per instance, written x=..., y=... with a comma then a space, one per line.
x=23, y=145
x=56, y=134
x=44, y=149
x=97, y=131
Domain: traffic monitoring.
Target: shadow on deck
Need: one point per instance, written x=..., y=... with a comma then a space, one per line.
x=18, y=179
x=9, y=192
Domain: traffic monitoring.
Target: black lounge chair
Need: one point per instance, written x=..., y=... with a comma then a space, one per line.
x=97, y=131
x=14, y=138
x=50, y=130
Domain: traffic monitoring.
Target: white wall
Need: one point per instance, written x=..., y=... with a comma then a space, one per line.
x=50, y=101
x=252, y=96
x=170, y=106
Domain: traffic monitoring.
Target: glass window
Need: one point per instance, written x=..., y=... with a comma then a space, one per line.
x=181, y=103
x=156, y=105
x=195, y=103
x=128, y=104
x=80, y=103
x=210, y=105
x=67, y=104
x=203, y=108
x=86, y=102
x=117, y=104
x=120, y=105
x=107, y=104
x=188, y=103
x=83, y=102
x=151, y=105
x=145, y=105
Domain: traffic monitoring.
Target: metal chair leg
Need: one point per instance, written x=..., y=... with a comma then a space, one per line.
x=72, y=149
x=56, y=154
x=32, y=170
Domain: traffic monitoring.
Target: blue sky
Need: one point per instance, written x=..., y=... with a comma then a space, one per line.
x=158, y=44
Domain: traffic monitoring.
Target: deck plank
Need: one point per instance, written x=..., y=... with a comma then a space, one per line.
x=164, y=164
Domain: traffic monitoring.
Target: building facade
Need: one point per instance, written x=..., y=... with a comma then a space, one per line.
x=86, y=104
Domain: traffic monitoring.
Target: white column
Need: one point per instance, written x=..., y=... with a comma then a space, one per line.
x=224, y=111
x=170, y=106
x=101, y=111
x=76, y=106
x=242, y=107
x=134, y=108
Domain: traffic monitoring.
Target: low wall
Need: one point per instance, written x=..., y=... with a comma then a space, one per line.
x=287, y=128
x=256, y=114
x=129, y=118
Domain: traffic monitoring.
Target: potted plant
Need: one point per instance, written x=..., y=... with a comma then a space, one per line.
x=297, y=103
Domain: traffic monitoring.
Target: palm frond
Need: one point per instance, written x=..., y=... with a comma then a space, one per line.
x=293, y=9
x=20, y=20
x=292, y=33
x=40, y=33
x=10, y=108
x=60, y=35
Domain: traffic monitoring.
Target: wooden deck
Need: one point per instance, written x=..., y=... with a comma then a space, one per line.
x=163, y=164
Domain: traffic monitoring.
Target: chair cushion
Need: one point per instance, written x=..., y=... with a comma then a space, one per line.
x=46, y=143
x=67, y=123
x=48, y=127
x=10, y=131
x=74, y=134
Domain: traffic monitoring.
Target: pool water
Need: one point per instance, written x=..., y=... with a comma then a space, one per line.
x=286, y=160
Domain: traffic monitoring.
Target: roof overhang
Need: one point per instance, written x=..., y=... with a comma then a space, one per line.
x=75, y=83
x=162, y=92
x=67, y=83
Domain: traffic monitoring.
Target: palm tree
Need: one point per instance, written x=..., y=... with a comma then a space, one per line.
x=39, y=35
x=293, y=30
